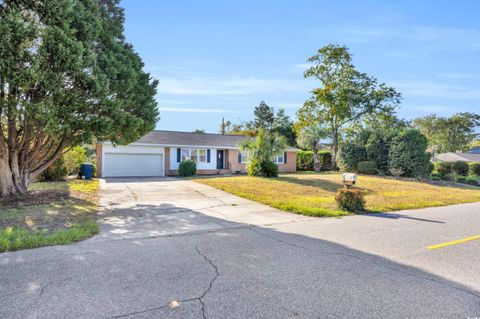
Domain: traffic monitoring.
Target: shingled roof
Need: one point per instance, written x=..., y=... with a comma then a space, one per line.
x=452, y=157
x=190, y=139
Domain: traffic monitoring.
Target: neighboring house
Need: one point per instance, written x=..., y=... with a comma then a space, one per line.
x=159, y=153
x=453, y=157
x=475, y=150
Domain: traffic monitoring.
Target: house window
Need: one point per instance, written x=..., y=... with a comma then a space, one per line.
x=244, y=157
x=185, y=154
x=279, y=159
x=202, y=156
x=197, y=155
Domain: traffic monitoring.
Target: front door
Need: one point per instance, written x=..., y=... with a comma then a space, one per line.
x=219, y=159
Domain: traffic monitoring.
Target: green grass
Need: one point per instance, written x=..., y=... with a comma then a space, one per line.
x=312, y=194
x=22, y=238
x=53, y=213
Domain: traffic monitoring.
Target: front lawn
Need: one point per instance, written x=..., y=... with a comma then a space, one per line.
x=313, y=194
x=51, y=213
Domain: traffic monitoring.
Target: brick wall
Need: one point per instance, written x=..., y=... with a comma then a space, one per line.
x=99, y=159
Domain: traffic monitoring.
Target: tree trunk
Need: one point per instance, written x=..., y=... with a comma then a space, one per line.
x=316, y=161
x=334, y=150
x=7, y=186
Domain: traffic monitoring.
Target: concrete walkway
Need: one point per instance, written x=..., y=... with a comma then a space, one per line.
x=151, y=207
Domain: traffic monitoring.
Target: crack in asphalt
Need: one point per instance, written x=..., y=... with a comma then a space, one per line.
x=366, y=261
x=199, y=298
x=208, y=260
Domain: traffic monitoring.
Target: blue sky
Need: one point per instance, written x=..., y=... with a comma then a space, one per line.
x=219, y=59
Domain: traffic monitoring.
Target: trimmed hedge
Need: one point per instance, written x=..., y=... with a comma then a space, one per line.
x=460, y=179
x=460, y=167
x=472, y=180
x=367, y=167
x=443, y=168
x=305, y=160
x=475, y=169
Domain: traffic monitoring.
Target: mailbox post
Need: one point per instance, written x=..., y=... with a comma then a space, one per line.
x=349, y=179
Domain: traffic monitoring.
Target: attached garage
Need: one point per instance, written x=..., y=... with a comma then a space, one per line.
x=132, y=161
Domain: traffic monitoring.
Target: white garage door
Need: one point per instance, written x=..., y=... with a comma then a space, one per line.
x=128, y=164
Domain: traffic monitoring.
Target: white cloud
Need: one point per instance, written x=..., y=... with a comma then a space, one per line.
x=433, y=38
x=201, y=85
x=194, y=110
x=458, y=76
x=302, y=66
x=436, y=90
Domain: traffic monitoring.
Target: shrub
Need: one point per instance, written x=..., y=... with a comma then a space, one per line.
x=350, y=200
x=435, y=178
x=55, y=172
x=460, y=179
x=367, y=167
x=253, y=168
x=475, y=169
x=187, y=168
x=305, y=161
x=460, y=167
x=264, y=169
x=396, y=172
x=325, y=158
x=378, y=147
x=448, y=177
x=408, y=153
x=443, y=168
x=74, y=158
x=437, y=175
x=269, y=169
x=471, y=180
x=351, y=154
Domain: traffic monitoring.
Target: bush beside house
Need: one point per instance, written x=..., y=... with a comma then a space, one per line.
x=187, y=168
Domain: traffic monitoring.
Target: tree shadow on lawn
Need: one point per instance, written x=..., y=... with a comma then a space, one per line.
x=323, y=184
x=262, y=268
x=46, y=210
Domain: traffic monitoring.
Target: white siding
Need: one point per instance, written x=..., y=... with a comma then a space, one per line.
x=211, y=165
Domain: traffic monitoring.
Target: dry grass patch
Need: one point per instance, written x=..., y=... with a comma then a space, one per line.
x=50, y=213
x=313, y=194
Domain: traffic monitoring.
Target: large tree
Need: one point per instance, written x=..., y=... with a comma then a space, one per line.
x=264, y=116
x=345, y=95
x=67, y=77
x=449, y=134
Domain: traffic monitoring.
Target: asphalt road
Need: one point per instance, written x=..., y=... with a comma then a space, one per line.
x=213, y=264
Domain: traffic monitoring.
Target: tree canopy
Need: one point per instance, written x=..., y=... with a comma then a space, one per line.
x=67, y=77
x=449, y=134
x=345, y=95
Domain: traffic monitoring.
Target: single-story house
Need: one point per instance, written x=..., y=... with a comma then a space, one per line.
x=159, y=153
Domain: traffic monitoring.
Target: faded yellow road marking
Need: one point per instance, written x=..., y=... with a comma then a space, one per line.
x=459, y=241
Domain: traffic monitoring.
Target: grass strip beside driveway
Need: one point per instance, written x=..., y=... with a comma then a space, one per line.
x=51, y=213
x=312, y=194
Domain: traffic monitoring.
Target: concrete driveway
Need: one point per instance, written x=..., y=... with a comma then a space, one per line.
x=185, y=250
x=151, y=207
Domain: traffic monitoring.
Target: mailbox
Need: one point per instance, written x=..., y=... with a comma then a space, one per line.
x=349, y=179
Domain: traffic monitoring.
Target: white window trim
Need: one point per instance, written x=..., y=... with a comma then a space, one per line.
x=197, y=159
x=276, y=161
x=244, y=157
